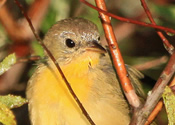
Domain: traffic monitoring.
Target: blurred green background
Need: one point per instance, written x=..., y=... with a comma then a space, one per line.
x=138, y=44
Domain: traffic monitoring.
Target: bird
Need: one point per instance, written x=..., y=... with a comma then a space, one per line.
x=75, y=45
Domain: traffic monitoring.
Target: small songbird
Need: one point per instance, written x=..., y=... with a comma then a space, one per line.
x=75, y=44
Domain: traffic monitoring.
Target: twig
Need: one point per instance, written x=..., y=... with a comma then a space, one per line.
x=129, y=20
x=122, y=31
x=172, y=85
x=2, y=2
x=168, y=46
x=156, y=93
x=159, y=106
x=154, y=113
x=117, y=58
x=154, y=97
x=172, y=82
x=21, y=35
x=36, y=12
x=27, y=59
x=152, y=63
x=57, y=65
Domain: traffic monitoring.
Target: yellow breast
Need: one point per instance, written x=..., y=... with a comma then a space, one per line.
x=49, y=92
x=50, y=102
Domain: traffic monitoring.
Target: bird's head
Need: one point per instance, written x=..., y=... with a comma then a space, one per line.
x=73, y=38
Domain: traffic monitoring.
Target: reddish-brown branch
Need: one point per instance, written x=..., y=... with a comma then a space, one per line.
x=116, y=56
x=168, y=46
x=31, y=58
x=122, y=30
x=172, y=85
x=37, y=11
x=11, y=26
x=140, y=116
x=155, y=94
x=19, y=31
x=172, y=82
x=57, y=65
x=2, y=2
x=21, y=35
x=159, y=106
x=150, y=64
x=129, y=20
x=154, y=113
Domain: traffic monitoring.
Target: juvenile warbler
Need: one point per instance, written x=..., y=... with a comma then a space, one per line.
x=75, y=44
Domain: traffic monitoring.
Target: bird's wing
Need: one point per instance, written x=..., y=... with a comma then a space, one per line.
x=135, y=77
x=134, y=74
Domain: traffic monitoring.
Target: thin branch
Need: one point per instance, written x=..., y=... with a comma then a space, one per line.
x=154, y=113
x=2, y=2
x=122, y=31
x=11, y=26
x=116, y=57
x=168, y=46
x=27, y=59
x=172, y=82
x=56, y=64
x=156, y=93
x=129, y=20
x=172, y=85
x=21, y=35
x=36, y=12
x=152, y=63
x=159, y=106
x=144, y=112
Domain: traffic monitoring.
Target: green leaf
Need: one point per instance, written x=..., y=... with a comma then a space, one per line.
x=169, y=101
x=7, y=63
x=6, y=115
x=12, y=101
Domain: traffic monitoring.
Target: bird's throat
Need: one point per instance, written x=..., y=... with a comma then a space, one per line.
x=81, y=65
x=77, y=72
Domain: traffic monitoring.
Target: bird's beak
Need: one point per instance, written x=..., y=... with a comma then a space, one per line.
x=95, y=47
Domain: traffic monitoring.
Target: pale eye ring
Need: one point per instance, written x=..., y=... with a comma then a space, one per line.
x=70, y=43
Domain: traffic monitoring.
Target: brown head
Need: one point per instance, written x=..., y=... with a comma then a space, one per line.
x=69, y=38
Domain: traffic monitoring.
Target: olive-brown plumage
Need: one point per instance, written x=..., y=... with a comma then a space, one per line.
x=75, y=45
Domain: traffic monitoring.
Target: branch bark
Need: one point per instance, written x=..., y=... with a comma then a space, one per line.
x=21, y=35
x=85, y=113
x=168, y=46
x=129, y=20
x=154, y=96
x=117, y=57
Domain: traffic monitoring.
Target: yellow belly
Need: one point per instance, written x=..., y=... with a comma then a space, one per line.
x=54, y=101
x=50, y=102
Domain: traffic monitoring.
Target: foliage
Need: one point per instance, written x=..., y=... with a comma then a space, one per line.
x=7, y=63
x=6, y=115
x=12, y=101
x=9, y=101
x=6, y=103
x=169, y=101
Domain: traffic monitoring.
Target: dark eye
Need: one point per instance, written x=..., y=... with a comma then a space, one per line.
x=70, y=43
x=98, y=38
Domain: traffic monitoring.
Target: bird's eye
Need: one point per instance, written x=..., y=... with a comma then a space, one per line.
x=70, y=43
x=98, y=38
